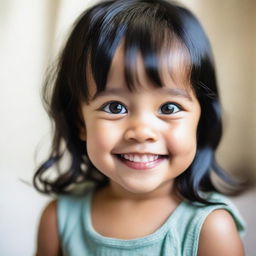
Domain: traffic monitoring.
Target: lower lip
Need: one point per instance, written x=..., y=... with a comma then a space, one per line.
x=141, y=165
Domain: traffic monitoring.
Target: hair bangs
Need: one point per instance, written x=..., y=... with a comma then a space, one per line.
x=153, y=39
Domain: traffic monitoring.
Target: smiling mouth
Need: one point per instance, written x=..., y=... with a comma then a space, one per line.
x=141, y=161
x=141, y=158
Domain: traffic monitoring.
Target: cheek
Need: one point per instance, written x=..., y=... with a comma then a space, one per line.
x=182, y=139
x=101, y=137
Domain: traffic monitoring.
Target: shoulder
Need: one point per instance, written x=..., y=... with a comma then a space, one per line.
x=48, y=240
x=219, y=235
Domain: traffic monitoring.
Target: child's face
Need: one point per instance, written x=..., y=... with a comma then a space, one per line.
x=154, y=129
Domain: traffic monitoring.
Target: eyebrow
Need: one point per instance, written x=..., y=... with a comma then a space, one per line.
x=177, y=92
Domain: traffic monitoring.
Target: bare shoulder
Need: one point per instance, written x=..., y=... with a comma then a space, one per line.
x=219, y=236
x=48, y=240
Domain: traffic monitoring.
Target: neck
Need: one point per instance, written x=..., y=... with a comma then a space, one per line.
x=117, y=192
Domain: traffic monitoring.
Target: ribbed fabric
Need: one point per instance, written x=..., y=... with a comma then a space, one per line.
x=178, y=236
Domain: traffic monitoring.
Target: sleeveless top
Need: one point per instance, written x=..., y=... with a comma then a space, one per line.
x=178, y=236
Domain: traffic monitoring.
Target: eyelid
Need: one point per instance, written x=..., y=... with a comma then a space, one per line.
x=173, y=103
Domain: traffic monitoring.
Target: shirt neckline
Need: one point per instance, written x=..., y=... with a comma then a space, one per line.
x=124, y=243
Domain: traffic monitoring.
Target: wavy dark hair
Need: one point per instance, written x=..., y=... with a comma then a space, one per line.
x=145, y=26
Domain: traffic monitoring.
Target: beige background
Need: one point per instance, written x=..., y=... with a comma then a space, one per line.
x=31, y=31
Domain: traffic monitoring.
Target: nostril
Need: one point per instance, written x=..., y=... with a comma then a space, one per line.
x=141, y=134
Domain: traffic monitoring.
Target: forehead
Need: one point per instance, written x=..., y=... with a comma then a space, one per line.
x=173, y=68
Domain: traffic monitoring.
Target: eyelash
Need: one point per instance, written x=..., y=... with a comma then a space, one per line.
x=108, y=104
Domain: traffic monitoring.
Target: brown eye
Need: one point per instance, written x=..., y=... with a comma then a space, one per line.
x=169, y=108
x=115, y=107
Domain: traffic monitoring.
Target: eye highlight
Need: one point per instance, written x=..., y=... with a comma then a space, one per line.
x=170, y=108
x=114, y=107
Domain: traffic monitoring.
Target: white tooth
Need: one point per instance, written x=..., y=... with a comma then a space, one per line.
x=144, y=158
x=126, y=157
x=150, y=158
x=140, y=158
x=136, y=158
x=155, y=157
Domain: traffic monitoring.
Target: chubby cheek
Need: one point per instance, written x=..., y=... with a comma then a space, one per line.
x=181, y=141
x=101, y=140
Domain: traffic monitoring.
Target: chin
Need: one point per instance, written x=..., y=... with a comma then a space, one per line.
x=140, y=188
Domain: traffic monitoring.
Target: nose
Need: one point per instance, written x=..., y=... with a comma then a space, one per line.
x=141, y=131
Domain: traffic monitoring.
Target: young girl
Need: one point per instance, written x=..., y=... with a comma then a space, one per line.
x=135, y=104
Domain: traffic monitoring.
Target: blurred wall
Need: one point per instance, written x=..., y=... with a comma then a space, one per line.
x=253, y=17
x=31, y=32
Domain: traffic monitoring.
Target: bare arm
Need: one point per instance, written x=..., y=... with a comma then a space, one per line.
x=48, y=240
x=219, y=236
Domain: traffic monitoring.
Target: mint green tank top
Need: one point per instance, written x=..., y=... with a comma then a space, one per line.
x=178, y=236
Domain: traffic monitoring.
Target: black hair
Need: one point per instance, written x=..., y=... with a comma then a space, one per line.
x=145, y=26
